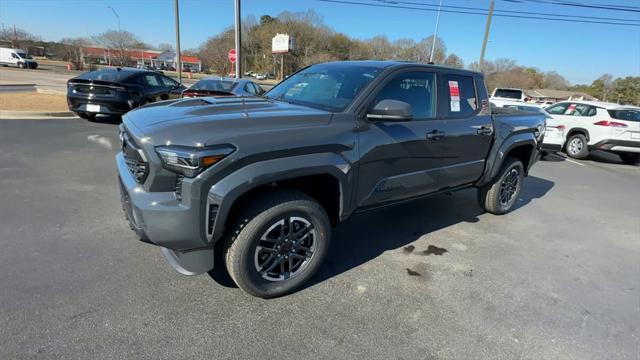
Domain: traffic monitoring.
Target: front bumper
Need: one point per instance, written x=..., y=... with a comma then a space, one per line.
x=159, y=218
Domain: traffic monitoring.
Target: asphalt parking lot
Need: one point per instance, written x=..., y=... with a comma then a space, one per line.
x=558, y=278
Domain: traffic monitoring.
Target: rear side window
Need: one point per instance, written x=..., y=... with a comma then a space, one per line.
x=461, y=96
x=629, y=115
x=416, y=89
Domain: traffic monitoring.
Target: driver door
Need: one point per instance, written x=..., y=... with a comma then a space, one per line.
x=401, y=159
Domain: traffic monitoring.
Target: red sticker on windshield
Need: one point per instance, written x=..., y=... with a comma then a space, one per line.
x=454, y=90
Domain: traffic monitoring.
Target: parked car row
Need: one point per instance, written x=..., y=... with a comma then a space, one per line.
x=578, y=127
x=115, y=91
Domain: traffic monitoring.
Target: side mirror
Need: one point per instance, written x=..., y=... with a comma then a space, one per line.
x=391, y=110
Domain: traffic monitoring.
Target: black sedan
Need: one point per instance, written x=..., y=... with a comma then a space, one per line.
x=114, y=91
x=222, y=86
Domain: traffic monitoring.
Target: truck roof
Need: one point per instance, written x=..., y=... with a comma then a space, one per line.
x=383, y=64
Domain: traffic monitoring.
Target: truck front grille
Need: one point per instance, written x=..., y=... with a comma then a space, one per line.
x=139, y=169
x=136, y=163
x=178, y=187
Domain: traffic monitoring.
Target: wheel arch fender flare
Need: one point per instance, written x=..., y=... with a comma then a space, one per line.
x=496, y=158
x=574, y=130
x=229, y=189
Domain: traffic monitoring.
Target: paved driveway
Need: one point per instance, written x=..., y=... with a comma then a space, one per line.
x=559, y=278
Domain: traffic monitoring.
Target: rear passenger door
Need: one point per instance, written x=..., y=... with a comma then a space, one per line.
x=468, y=129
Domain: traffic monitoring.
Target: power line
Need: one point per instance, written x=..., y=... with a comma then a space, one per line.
x=392, y=2
x=476, y=13
x=582, y=5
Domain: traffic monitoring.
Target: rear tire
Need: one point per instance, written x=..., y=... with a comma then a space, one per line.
x=630, y=158
x=577, y=147
x=499, y=196
x=278, y=243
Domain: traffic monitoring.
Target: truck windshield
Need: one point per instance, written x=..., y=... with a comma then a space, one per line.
x=508, y=94
x=24, y=55
x=330, y=87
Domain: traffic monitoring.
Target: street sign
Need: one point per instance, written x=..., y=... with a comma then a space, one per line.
x=282, y=44
x=232, y=55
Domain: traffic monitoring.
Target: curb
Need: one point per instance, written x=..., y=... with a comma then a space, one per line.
x=19, y=115
x=17, y=88
x=50, y=91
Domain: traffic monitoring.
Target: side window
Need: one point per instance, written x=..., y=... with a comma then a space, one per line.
x=461, y=95
x=150, y=80
x=557, y=109
x=168, y=82
x=13, y=55
x=581, y=110
x=248, y=87
x=258, y=89
x=416, y=89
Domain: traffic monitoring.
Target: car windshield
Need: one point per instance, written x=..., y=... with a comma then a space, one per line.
x=330, y=87
x=214, y=85
x=629, y=115
x=24, y=55
x=508, y=94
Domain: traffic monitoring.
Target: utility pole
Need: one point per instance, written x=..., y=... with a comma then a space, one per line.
x=117, y=16
x=486, y=35
x=238, y=42
x=178, y=59
x=435, y=35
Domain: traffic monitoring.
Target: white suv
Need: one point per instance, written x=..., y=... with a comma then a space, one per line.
x=599, y=125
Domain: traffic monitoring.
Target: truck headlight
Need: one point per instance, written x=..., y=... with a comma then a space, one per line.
x=191, y=161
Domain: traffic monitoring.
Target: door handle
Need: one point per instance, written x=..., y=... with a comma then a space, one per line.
x=435, y=135
x=485, y=131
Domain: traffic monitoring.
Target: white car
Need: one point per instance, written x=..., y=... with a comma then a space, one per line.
x=591, y=125
x=554, y=134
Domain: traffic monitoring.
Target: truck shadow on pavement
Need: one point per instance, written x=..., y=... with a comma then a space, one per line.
x=366, y=236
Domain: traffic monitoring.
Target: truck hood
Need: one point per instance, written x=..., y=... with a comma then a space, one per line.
x=214, y=120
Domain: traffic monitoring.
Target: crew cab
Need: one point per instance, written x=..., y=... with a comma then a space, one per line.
x=264, y=180
x=592, y=125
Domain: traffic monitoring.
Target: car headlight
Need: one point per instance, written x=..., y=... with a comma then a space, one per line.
x=191, y=161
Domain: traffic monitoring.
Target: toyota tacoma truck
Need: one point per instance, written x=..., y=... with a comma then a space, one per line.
x=262, y=181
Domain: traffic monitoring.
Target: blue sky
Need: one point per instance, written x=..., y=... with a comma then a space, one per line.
x=580, y=52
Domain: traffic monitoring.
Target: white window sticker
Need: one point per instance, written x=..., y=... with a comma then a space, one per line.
x=454, y=94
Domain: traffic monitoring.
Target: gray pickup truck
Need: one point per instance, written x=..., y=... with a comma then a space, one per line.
x=264, y=180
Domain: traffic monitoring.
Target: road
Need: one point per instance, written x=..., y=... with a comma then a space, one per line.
x=558, y=278
x=53, y=81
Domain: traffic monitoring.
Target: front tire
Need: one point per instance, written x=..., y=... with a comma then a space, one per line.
x=630, y=158
x=577, y=147
x=499, y=196
x=278, y=244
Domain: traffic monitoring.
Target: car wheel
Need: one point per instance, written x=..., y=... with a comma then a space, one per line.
x=22, y=65
x=630, y=158
x=499, y=196
x=277, y=244
x=577, y=146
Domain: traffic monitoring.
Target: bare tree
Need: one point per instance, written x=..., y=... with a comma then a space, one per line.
x=165, y=47
x=454, y=60
x=120, y=43
x=72, y=51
